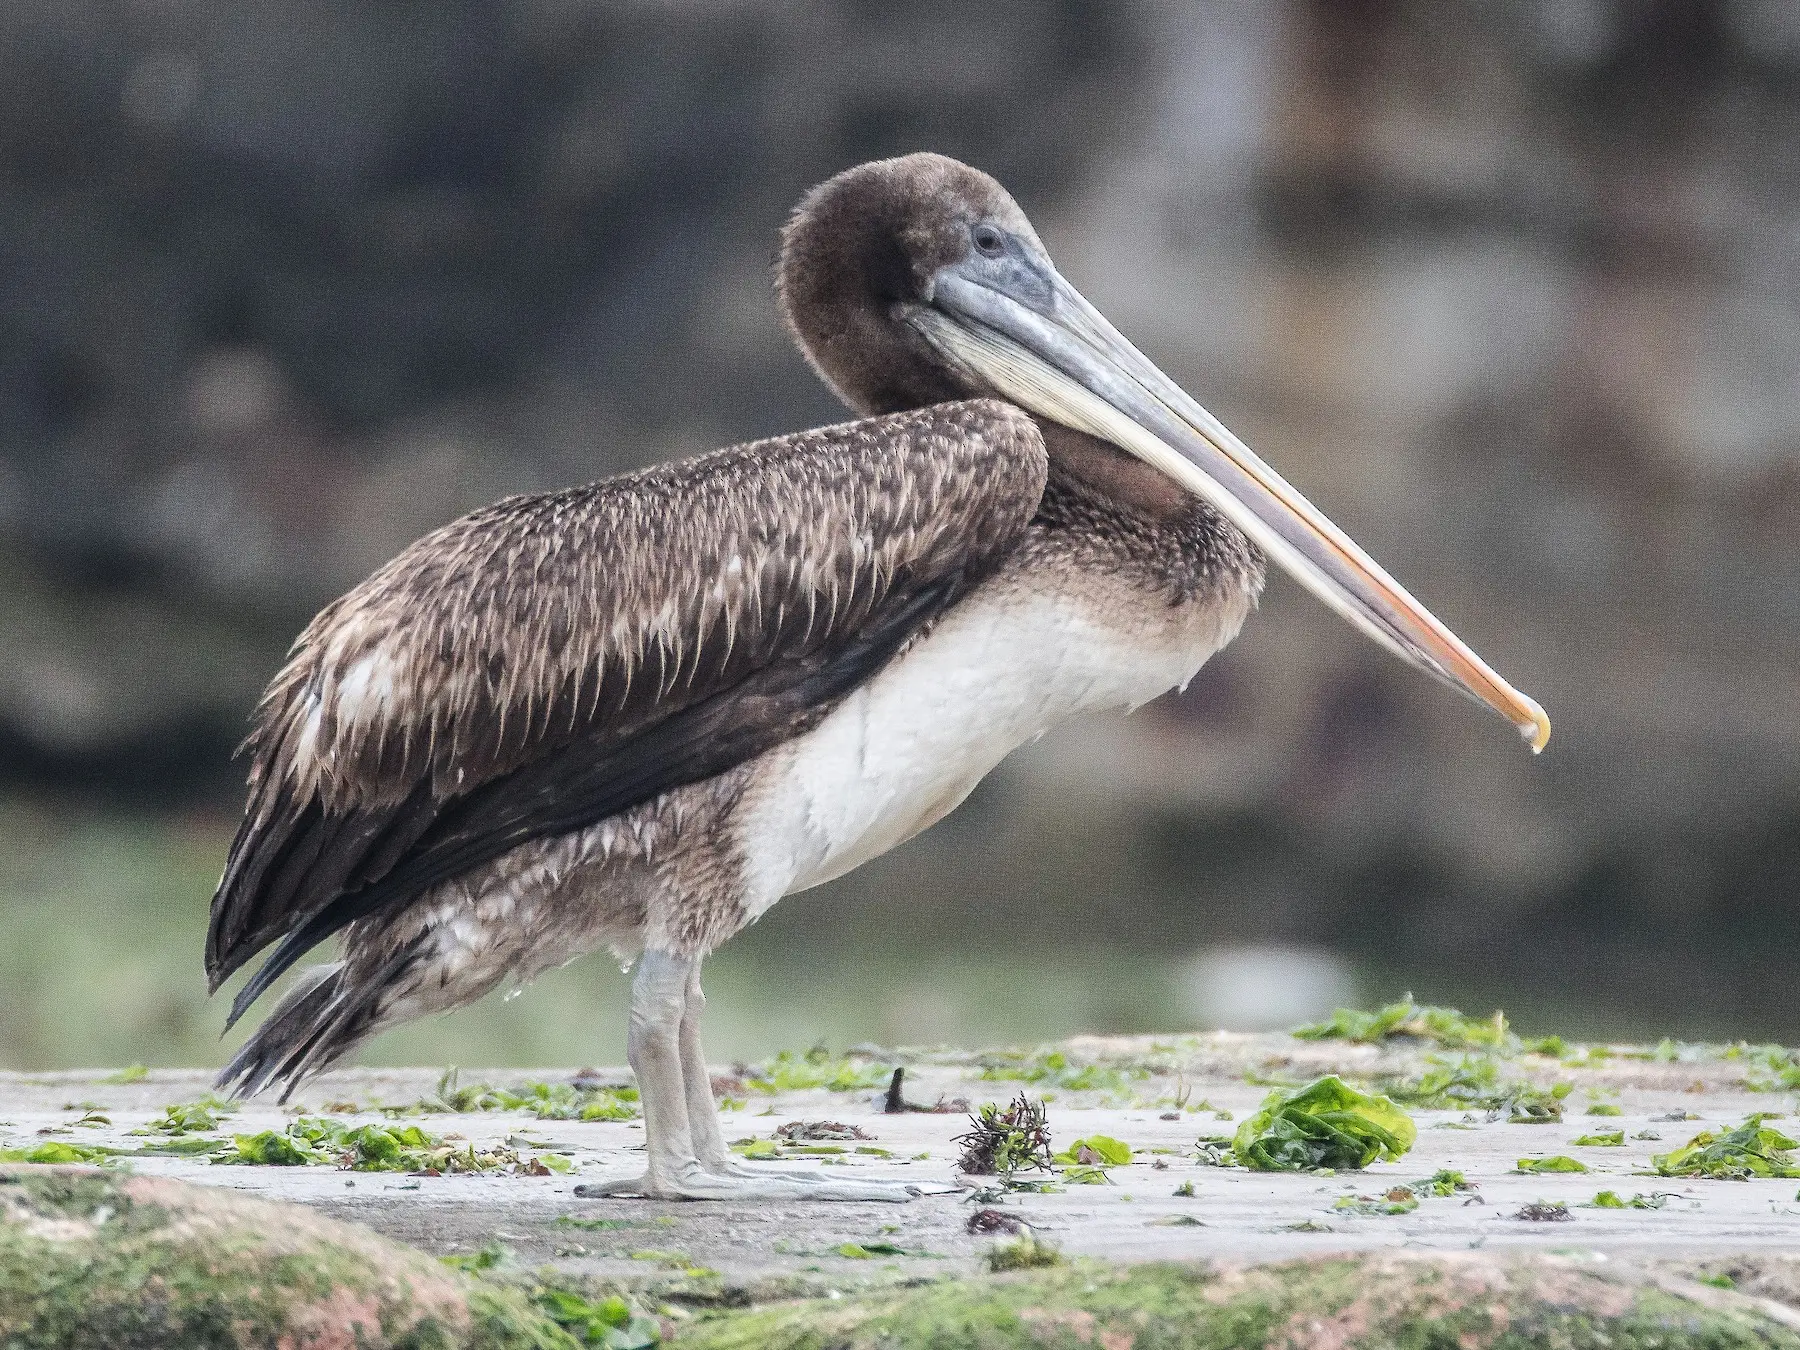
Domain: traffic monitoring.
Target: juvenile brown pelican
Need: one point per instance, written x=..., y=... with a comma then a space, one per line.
x=636, y=714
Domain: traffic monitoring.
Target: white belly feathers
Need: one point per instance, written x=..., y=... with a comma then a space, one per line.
x=1004, y=666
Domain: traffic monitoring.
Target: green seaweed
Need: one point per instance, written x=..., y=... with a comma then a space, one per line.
x=315, y=1141
x=168, y=1133
x=1327, y=1123
x=816, y=1068
x=1772, y=1068
x=1097, y=1150
x=1088, y=1176
x=670, y=1259
x=186, y=1146
x=270, y=1148
x=1603, y=1139
x=1052, y=1069
x=489, y=1256
x=1086, y=1160
x=1556, y=1162
x=1025, y=1252
x=61, y=1151
x=1613, y=1200
x=1215, y=1150
x=1444, y=1182
x=611, y=1323
x=1750, y=1150
x=868, y=1250
x=546, y=1101
x=1464, y=1082
x=1444, y=1026
x=753, y=1149
x=1528, y=1104
x=185, y=1118
x=1398, y=1200
x=1472, y=1081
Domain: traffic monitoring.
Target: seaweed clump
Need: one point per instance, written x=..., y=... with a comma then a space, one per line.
x=1025, y=1252
x=1015, y=1138
x=1472, y=1081
x=1327, y=1123
x=1559, y=1162
x=1396, y=1200
x=316, y=1142
x=1444, y=1026
x=815, y=1068
x=582, y=1099
x=1751, y=1150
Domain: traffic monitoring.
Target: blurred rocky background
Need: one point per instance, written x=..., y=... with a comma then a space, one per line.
x=1509, y=288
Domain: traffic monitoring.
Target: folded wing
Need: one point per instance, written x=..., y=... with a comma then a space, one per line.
x=550, y=661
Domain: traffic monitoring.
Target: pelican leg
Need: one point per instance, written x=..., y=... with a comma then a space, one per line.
x=678, y=1107
x=703, y=1112
x=653, y=1049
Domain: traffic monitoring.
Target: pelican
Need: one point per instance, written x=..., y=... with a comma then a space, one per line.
x=634, y=715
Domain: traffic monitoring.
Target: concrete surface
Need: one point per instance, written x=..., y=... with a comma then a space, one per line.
x=1239, y=1214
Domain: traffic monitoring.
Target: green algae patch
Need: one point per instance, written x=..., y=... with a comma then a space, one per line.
x=1327, y=1123
x=578, y=1100
x=1473, y=1081
x=1601, y=1139
x=54, y=1151
x=1097, y=1150
x=1054, y=1069
x=1556, y=1162
x=1443, y=1026
x=1027, y=1251
x=611, y=1323
x=1444, y=1182
x=1474, y=1301
x=315, y=1141
x=1654, y=1200
x=1397, y=1200
x=98, y=1261
x=1751, y=1150
x=816, y=1068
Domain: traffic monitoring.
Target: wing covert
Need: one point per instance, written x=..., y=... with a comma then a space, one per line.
x=548, y=661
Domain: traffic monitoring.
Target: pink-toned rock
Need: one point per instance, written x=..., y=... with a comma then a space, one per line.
x=93, y=1259
x=1472, y=1301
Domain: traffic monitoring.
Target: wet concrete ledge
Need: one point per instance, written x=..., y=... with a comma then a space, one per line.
x=1158, y=1094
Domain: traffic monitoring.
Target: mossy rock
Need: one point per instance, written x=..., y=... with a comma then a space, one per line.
x=117, y=1262
x=1371, y=1301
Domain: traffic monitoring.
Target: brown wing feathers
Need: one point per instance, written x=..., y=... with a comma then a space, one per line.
x=550, y=661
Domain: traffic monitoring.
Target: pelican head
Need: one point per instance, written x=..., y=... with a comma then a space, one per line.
x=918, y=280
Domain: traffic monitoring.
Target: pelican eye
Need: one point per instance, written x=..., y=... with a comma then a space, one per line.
x=989, y=240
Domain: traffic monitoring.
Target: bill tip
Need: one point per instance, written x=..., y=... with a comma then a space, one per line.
x=1536, y=726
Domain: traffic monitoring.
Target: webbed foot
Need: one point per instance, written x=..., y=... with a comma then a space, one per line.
x=694, y=1182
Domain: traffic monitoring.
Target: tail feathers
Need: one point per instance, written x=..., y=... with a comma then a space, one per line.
x=293, y=1039
x=321, y=1020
